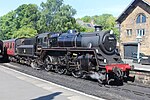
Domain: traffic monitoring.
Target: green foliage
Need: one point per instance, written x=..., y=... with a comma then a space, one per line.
x=89, y=30
x=24, y=16
x=53, y=15
x=80, y=28
x=25, y=32
x=7, y=26
x=107, y=21
x=87, y=19
x=56, y=16
x=27, y=15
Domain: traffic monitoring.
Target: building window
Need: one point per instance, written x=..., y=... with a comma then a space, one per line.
x=141, y=18
x=140, y=32
x=138, y=19
x=129, y=32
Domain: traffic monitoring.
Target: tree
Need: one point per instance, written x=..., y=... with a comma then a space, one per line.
x=86, y=19
x=56, y=16
x=25, y=32
x=24, y=16
x=107, y=21
x=7, y=26
x=27, y=15
x=52, y=16
x=80, y=28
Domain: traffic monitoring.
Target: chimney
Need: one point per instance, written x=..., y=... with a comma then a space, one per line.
x=98, y=28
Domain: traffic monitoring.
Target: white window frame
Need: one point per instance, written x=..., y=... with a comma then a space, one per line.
x=129, y=32
x=140, y=32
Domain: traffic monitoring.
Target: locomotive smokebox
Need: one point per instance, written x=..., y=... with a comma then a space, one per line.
x=98, y=28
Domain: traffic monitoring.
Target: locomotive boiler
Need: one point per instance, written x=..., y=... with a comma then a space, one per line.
x=81, y=54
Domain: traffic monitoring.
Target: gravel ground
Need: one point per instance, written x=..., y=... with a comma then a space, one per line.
x=125, y=92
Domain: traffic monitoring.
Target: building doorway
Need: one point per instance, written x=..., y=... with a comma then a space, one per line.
x=129, y=49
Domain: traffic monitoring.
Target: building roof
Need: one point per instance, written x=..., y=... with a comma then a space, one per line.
x=87, y=25
x=131, y=7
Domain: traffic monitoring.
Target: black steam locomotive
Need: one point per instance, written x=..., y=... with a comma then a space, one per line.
x=91, y=55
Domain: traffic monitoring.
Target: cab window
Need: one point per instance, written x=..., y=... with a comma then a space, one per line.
x=39, y=40
x=45, y=39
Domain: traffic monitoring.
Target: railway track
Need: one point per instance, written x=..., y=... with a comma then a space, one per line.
x=141, y=77
x=136, y=89
x=129, y=91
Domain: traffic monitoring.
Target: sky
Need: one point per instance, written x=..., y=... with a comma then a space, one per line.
x=83, y=7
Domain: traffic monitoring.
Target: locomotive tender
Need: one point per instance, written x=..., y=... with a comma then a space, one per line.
x=91, y=55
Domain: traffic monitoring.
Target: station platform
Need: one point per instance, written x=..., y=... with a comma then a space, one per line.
x=15, y=85
x=137, y=66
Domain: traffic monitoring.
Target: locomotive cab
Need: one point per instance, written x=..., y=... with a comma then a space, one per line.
x=53, y=40
x=41, y=41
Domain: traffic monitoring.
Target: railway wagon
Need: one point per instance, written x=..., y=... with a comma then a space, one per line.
x=11, y=46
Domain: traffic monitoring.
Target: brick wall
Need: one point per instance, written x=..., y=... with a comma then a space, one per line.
x=130, y=23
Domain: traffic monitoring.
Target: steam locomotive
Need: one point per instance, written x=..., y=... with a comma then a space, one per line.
x=91, y=55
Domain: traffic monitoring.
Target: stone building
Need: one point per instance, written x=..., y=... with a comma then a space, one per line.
x=133, y=22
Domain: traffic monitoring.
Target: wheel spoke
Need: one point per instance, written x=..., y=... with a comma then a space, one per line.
x=47, y=61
